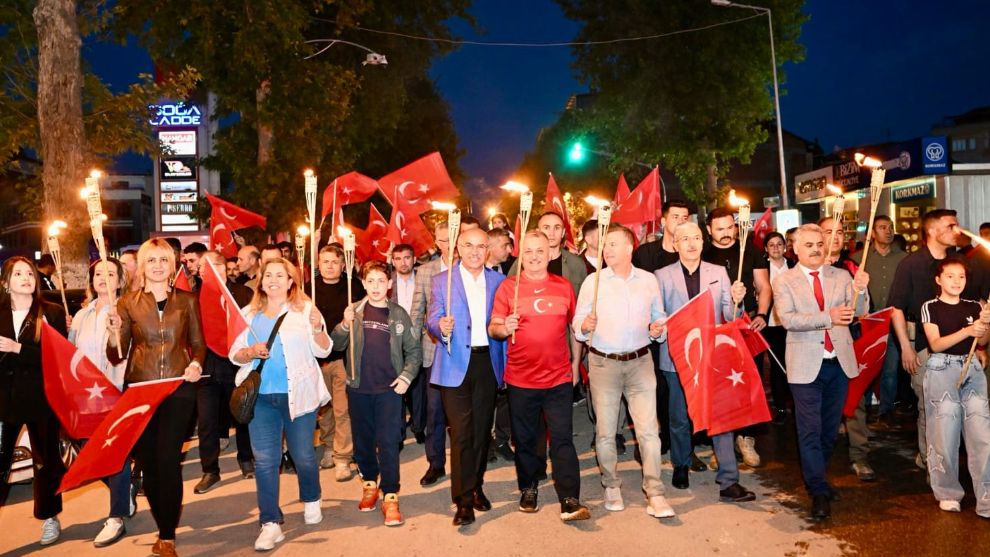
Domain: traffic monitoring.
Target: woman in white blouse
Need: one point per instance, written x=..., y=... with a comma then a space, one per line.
x=89, y=333
x=291, y=392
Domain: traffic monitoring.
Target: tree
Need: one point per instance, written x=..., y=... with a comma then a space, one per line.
x=282, y=110
x=692, y=102
x=53, y=107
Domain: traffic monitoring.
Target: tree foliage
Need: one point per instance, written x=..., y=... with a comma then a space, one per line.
x=691, y=102
x=326, y=112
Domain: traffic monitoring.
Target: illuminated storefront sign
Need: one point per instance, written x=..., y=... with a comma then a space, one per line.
x=177, y=168
x=176, y=114
x=179, y=142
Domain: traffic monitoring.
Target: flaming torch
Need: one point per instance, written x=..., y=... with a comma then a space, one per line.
x=838, y=206
x=310, y=181
x=744, y=227
x=301, y=232
x=972, y=349
x=453, y=229
x=348, y=240
x=94, y=206
x=603, y=213
x=56, y=251
x=525, y=210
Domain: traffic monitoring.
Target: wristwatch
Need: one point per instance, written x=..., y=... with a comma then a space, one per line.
x=763, y=315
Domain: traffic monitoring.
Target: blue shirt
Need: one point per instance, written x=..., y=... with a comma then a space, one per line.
x=274, y=378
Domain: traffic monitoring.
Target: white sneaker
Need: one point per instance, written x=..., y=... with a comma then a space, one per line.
x=113, y=530
x=271, y=534
x=312, y=513
x=613, y=499
x=949, y=506
x=51, y=529
x=658, y=507
x=746, y=446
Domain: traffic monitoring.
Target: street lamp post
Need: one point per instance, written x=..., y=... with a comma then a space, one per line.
x=784, y=198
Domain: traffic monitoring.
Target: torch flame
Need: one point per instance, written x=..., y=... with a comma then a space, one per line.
x=343, y=231
x=302, y=230
x=95, y=173
x=836, y=190
x=864, y=160
x=308, y=172
x=737, y=201
x=84, y=193
x=442, y=206
x=515, y=187
x=596, y=201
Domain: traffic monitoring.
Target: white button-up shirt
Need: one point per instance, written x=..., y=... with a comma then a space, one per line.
x=477, y=297
x=811, y=282
x=404, y=289
x=626, y=307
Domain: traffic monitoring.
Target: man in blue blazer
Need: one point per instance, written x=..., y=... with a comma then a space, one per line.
x=470, y=374
x=679, y=283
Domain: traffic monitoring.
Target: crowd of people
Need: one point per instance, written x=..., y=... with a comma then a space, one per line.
x=470, y=341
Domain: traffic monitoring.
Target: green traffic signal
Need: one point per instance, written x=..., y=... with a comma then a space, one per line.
x=577, y=153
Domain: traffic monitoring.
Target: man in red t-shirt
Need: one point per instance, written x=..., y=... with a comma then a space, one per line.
x=538, y=375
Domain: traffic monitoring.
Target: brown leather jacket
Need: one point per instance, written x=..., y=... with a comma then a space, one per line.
x=160, y=347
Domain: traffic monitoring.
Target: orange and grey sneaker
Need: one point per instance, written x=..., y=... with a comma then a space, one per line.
x=390, y=508
x=369, y=497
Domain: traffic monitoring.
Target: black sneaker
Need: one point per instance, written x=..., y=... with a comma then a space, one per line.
x=505, y=451
x=529, y=501
x=736, y=493
x=579, y=396
x=571, y=509
x=209, y=480
x=287, y=466
x=620, y=444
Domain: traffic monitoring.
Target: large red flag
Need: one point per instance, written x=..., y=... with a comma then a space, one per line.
x=114, y=438
x=555, y=202
x=407, y=228
x=352, y=187
x=871, y=350
x=737, y=397
x=761, y=228
x=78, y=392
x=182, y=280
x=372, y=242
x=690, y=338
x=224, y=219
x=517, y=237
x=418, y=183
x=621, y=190
x=221, y=316
x=643, y=204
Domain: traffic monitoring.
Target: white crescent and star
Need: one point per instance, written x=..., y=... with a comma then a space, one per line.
x=96, y=391
x=536, y=305
x=136, y=411
x=77, y=357
x=692, y=336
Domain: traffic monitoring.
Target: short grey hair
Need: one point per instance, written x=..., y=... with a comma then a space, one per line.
x=808, y=228
x=683, y=229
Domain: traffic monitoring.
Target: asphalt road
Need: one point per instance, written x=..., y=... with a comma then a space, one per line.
x=896, y=515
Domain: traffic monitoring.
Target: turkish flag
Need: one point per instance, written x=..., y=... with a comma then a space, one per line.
x=737, y=398
x=116, y=435
x=224, y=219
x=221, y=315
x=418, y=183
x=79, y=393
x=621, y=190
x=555, y=202
x=761, y=228
x=643, y=204
x=690, y=338
x=517, y=237
x=182, y=280
x=755, y=342
x=407, y=228
x=352, y=187
x=372, y=243
x=871, y=350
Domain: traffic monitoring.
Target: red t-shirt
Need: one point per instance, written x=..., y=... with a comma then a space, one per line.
x=540, y=358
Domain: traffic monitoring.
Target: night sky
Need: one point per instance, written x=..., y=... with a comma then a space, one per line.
x=874, y=71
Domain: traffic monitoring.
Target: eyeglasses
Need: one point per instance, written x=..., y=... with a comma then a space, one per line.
x=473, y=246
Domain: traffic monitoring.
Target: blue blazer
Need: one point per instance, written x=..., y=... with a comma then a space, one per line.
x=449, y=369
x=674, y=295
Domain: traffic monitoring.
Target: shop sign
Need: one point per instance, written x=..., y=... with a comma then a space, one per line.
x=935, y=154
x=182, y=168
x=176, y=114
x=846, y=175
x=912, y=192
x=179, y=142
x=810, y=186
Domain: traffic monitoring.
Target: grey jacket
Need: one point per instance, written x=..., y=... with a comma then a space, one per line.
x=406, y=352
x=421, y=300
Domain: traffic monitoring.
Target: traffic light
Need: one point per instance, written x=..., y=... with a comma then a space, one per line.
x=577, y=153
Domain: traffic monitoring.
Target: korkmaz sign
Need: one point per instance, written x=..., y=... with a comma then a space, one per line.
x=177, y=114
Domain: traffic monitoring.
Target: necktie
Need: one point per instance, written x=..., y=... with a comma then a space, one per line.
x=820, y=298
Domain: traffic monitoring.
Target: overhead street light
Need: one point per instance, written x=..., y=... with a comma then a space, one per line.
x=371, y=59
x=784, y=198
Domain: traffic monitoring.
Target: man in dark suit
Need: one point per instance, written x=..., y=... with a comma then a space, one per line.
x=500, y=246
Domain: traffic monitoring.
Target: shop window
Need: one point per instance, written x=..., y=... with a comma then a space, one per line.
x=972, y=143
x=958, y=144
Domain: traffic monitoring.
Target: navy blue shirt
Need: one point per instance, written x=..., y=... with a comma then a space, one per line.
x=376, y=357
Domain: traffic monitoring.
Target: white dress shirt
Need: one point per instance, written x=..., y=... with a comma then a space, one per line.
x=626, y=307
x=404, y=289
x=477, y=297
x=811, y=282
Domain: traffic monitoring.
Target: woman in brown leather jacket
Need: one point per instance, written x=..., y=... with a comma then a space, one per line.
x=22, y=391
x=160, y=332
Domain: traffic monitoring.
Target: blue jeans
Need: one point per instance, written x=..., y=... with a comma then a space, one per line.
x=120, y=489
x=951, y=412
x=680, y=437
x=818, y=411
x=271, y=420
x=376, y=424
x=888, y=376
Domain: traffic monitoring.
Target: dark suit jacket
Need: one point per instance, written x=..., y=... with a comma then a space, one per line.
x=22, y=385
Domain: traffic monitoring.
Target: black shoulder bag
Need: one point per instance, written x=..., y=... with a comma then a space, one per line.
x=245, y=395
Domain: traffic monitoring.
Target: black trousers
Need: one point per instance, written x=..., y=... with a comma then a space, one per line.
x=415, y=401
x=48, y=465
x=159, y=450
x=529, y=407
x=470, y=411
x=663, y=399
x=776, y=337
x=213, y=415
